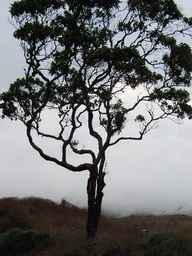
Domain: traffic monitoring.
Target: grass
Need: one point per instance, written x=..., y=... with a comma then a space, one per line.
x=35, y=226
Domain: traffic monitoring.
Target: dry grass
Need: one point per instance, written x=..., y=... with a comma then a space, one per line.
x=66, y=225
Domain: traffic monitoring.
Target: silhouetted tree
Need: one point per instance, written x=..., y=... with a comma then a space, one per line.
x=86, y=61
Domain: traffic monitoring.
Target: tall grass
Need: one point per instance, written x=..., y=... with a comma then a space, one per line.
x=65, y=228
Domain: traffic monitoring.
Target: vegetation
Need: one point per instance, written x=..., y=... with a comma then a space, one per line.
x=100, y=67
x=17, y=241
x=39, y=227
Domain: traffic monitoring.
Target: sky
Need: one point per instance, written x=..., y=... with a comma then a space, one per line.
x=152, y=176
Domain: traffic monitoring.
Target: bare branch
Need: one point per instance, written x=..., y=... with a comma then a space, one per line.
x=83, y=152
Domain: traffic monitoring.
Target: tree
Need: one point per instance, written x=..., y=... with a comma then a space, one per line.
x=86, y=61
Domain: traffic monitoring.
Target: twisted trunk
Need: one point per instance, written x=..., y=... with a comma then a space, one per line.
x=95, y=186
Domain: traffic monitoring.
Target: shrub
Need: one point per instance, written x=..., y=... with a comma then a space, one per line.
x=18, y=240
x=165, y=244
x=112, y=252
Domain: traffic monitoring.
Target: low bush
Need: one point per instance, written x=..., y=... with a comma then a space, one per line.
x=17, y=241
x=165, y=244
x=112, y=252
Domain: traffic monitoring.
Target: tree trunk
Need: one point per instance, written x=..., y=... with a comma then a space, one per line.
x=95, y=186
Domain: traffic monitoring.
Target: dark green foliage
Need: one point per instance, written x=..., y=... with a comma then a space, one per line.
x=180, y=64
x=34, y=6
x=160, y=10
x=17, y=241
x=165, y=244
x=78, y=33
x=112, y=252
x=28, y=93
x=33, y=31
x=140, y=118
x=168, y=99
x=75, y=253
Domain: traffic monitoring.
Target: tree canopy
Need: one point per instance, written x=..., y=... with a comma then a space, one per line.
x=85, y=61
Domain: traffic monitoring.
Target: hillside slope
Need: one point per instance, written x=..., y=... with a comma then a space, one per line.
x=36, y=226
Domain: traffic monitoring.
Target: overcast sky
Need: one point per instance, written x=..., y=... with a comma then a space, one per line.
x=148, y=176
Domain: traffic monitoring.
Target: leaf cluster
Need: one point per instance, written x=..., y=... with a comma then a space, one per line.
x=161, y=10
x=23, y=98
x=34, y=7
x=174, y=100
x=83, y=57
x=179, y=63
